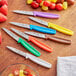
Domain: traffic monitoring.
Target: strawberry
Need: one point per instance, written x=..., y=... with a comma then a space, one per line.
x=2, y=2
x=2, y=17
x=4, y=9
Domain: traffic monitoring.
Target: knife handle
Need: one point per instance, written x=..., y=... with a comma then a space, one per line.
x=42, y=29
x=60, y=29
x=46, y=15
x=57, y=39
x=29, y=47
x=40, y=44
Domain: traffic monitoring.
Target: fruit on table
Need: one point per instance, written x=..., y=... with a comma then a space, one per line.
x=4, y=9
x=41, y=4
x=70, y=2
x=46, y=3
x=52, y=5
x=54, y=1
x=29, y=1
x=65, y=5
x=34, y=4
x=44, y=8
x=60, y=1
x=2, y=17
x=2, y=2
x=38, y=1
x=59, y=6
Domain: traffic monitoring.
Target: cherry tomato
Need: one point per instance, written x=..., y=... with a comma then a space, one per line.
x=31, y=75
x=27, y=72
x=34, y=4
x=59, y=6
x=16, y=72
x=70, y=2
x=38, y=1
x=46, y=3
x=52, y=6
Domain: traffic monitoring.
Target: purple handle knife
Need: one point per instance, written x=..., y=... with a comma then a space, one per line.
x=39, y=14
x=44, y=14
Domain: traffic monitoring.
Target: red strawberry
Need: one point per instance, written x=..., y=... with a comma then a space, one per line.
x=0, y=38
x=2, y=2
x=2, y=17
x=4, y=9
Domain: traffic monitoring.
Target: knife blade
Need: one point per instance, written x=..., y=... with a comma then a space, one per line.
x=47, y=37
x=54, y=26
x=22, y=42
x=31, y=57
x=39, y=14
x=33, y=40
x=34, y=27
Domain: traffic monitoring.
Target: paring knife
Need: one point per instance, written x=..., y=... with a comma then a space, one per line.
x=22, y=42
x=54, y=26
x=39, y=14
x=33, y=40
x=47, y=37
x=34, y=27
x=31, y=57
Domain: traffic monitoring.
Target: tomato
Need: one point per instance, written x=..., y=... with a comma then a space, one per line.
x=34, y=4
x=38, y=1
x=2, y=17
x=4, y=9
x=27, y=72
x=52, y=5
x=46, y=3
x=31, y=75
x=44, y=8
x=59, y=6
x=16, y=72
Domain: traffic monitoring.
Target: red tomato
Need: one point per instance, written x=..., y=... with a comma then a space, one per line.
x=46, y=3
x=16, y=72
x=31, y=75
x=52, y=6
x=38, y=1
x=27, y=72
x=34, y=4
x=2, y=2
x=59, y=6
x=4, y=9
x=2, y=17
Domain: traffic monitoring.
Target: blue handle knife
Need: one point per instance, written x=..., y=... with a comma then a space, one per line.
x=34, y=27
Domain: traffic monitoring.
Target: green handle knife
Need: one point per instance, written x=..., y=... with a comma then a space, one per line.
x=22, y=42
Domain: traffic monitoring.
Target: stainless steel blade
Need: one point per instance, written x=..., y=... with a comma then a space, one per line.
x=36, y=34
x=23, y=12
x=20, y=25
x=39, y=21
x=11, y=34
x=31, y=57
x=39, y=61
x=17, y=51
x=20, y=33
